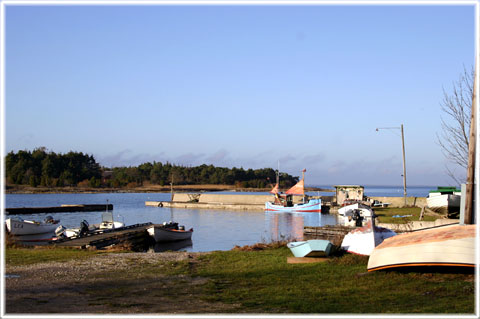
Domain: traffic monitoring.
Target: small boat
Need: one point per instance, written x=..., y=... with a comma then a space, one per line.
x=363, y=240
x=447, y=246
x=311, y=248
x=356, y=214
x=169, y=232
x=284, y=202
x=19, y=226
x=444, y=199
x=107, y=223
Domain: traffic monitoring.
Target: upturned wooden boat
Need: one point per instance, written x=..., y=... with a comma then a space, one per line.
x=310, y=248
x=363, y=240
x=169, y=232
x=18, y=226
x=451, y=246
x=284, y=202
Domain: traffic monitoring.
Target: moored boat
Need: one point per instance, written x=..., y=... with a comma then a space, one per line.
x=284, y=202
x=447, y=246
x=19, y=226
x=363, y=240
x=311, y=248
x=356, y=214
x=169, y=232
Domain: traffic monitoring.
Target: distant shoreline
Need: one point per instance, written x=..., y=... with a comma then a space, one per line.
x=23, y=189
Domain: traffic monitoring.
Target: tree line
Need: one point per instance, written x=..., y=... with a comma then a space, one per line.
x=42, y=168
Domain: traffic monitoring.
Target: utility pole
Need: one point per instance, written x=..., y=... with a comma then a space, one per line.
x=470, y=187
x=403, y=156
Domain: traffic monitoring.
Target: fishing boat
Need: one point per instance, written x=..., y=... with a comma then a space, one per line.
x=447, y=246
x=311, y=248
x=444, y=199
x=169, y=232
x=18, y=226
x=363, y=240
x=284, y=202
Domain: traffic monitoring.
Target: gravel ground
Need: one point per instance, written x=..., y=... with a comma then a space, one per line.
x=134, y=283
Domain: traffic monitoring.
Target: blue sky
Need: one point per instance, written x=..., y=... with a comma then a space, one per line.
x=242, y=86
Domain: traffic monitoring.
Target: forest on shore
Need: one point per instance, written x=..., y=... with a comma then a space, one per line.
x=76, y=169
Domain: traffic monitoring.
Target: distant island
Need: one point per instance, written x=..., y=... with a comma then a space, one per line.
x=42, y=171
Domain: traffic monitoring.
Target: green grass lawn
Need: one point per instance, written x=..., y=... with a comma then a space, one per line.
x=385, y=215
x=26, y=256
x=263, y=281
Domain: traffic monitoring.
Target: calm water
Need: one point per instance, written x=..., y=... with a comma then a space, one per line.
x=213, y=229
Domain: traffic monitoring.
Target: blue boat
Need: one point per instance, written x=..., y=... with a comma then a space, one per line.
x=312, y=206
x=311, y=248
x=284, y=202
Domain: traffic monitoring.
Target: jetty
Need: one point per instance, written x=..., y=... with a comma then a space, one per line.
x=224, y=201
x=134, y=235
x=59, y=209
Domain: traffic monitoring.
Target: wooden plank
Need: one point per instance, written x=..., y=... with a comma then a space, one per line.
x=306, y=260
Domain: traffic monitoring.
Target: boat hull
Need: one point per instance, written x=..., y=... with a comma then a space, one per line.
x=27, y=227
x=443, y=246
x=361, y=241
x=312, y=206
x=163, y=234
x=310, y=248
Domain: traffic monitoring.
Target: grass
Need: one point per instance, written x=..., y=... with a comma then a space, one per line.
x=262, y=281
x=386, y=215
x=26, y=256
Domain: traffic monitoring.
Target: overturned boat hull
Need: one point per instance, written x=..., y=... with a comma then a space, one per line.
x=451, y=246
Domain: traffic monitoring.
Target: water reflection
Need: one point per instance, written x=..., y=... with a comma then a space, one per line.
x=173, y=246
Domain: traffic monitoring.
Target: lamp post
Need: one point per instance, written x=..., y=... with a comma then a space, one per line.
x=403, y=153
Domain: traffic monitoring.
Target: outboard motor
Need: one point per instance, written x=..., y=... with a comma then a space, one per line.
x=83, y=228
x=358, y=218
x=49, y=220
x=60, y=231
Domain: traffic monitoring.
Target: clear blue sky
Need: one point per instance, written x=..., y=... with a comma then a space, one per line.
x=242, y=86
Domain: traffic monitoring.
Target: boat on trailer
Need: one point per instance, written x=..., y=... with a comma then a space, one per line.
x=446, y=246
x=444, y=199
x=284, y=202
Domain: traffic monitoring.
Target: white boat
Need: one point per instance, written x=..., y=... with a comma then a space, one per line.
x=356, y=214
x=310, y=248
x=169, y=232
x=19, y=226
x=363, y=240
x=106, y=224
x=447, y=246
x=444, y=199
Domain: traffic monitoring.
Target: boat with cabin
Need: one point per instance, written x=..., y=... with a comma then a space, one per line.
x=363, y=240
x=284, y=202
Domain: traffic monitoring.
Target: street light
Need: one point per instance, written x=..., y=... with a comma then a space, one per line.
x=403, y=152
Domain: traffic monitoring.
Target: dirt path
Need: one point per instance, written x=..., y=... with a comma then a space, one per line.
x=134, y=283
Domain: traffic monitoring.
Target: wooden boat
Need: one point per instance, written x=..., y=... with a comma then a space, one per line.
x=169, y=232
x=311, y=248
x=363, y=240
x=284, y=202
x=444, y=199
x=18, y=226
x=452, y=246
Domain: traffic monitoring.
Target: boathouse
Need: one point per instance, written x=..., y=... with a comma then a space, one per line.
x=350, y=192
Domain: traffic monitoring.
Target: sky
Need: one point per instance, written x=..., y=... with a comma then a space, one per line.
x=239, y=86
